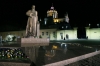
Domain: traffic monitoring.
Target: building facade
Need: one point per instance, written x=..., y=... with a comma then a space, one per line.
x=52, y=34
x=93, y=33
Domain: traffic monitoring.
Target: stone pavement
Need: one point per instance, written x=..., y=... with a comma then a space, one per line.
x=92, y=61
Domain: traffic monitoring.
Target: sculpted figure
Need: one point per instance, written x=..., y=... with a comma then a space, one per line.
x=31, y=27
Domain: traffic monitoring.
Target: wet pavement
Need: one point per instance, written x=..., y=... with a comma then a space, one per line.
x=61, y=51
x=58, y=51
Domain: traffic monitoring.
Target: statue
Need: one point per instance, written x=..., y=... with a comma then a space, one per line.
x=31, y=28
x=32, y=34
x=66, y=18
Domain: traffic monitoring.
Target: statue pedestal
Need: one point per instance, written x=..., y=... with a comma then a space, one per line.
x=28, y=42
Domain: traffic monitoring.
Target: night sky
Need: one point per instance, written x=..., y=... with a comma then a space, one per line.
x=81, y=12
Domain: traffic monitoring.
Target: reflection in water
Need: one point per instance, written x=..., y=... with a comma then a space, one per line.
x=50, y=53
x=63, y=44
x=44, y=47
x=54, y=47
x=65, y=50
x=64, y=47
x=41, y=59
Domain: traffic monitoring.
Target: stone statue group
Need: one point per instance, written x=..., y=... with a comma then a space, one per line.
x=33, y=26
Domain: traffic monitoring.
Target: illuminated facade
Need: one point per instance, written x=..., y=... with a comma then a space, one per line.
x=52, y=12
x=93, y=33
x=52, y=34
x=58, y=20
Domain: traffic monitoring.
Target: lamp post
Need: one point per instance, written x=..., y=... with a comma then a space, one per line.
x=98, y=25
x=89, y=24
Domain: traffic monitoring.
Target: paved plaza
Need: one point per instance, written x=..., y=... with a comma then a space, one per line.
x=61, y=50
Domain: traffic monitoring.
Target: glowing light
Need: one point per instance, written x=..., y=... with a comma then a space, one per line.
x=62, y=27
x=57, y=20
x=45, y=22
x=52, y=7
x=54, y=20
x=97, y=24
x=54, y=47
x=89, y=24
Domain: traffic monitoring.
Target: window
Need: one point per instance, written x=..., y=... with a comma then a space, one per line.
x=42, y=33
x=46, y=33
x=67, y=36
x=61, y=34
x=53, y=33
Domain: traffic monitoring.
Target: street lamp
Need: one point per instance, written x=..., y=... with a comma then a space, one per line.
x=89, y=25
x=98, y=25
x=62, y=27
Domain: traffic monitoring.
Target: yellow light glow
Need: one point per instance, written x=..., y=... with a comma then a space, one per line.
x=57, y=20
x=54, y=47
x=54, y=20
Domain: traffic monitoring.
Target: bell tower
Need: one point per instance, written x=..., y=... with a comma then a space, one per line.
x=52, y=12
x=66, y=18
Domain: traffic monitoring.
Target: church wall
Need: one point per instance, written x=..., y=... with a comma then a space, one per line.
x=22, y=34
x=93, y=33
x=49, y=35
x=75, y=33
x=88, y=32
x=53, y=34
x=68, y=34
